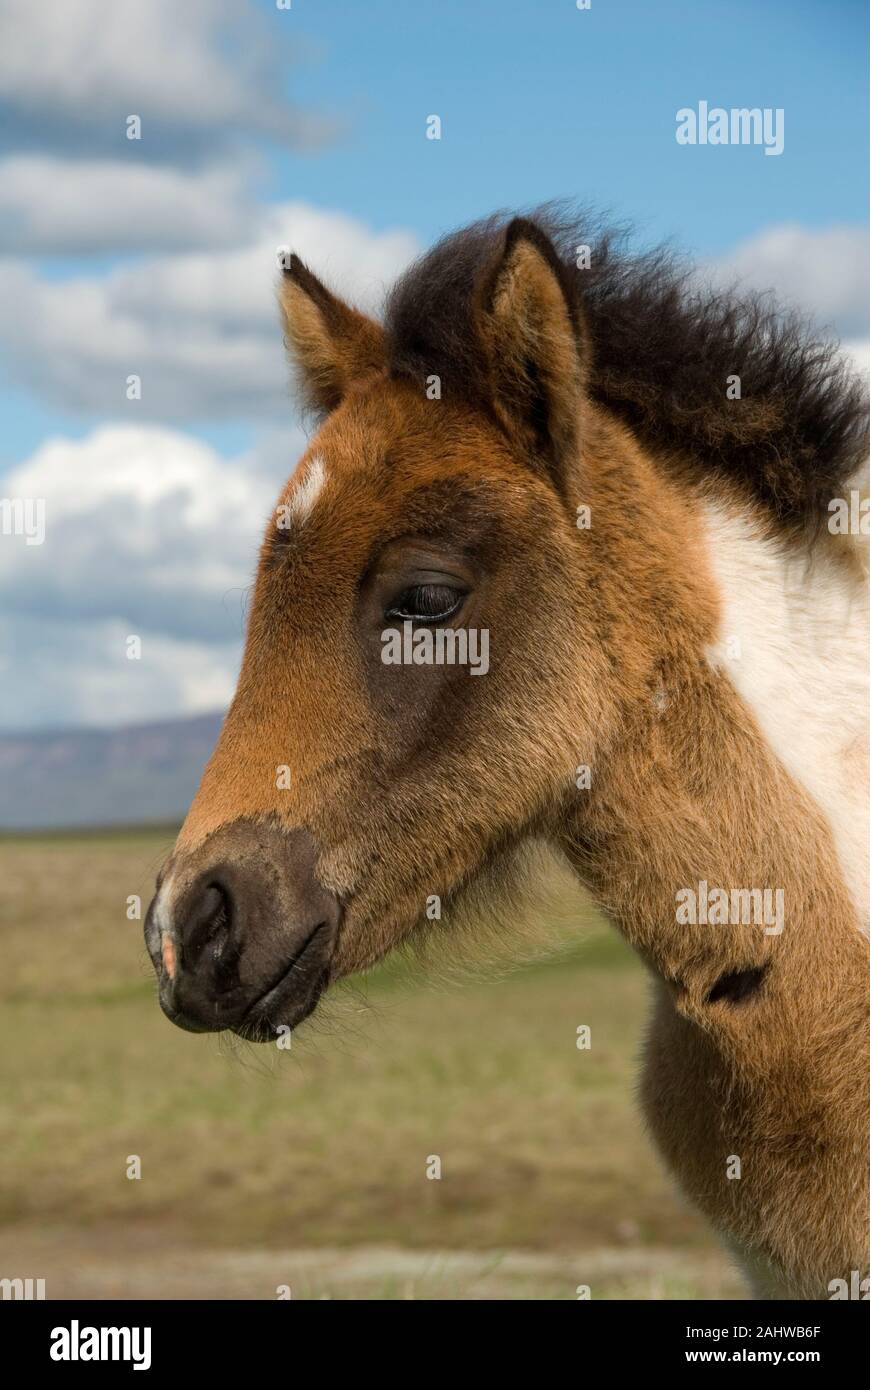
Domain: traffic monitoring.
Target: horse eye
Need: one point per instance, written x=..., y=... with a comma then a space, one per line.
x=426, y=603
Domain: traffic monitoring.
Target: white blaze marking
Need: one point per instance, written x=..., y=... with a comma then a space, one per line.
x=162, y=917
x=801, y=664
x=164, y=924
x=308, y=490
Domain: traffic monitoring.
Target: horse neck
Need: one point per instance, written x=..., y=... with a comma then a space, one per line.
x=686, y=792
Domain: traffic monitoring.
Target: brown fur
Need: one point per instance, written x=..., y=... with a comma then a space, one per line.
x=416, y=781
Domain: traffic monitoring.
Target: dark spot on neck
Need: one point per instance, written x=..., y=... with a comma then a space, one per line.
x=737, y=986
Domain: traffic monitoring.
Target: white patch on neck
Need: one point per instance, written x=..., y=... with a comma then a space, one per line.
x=795, y=642
x=308, y=490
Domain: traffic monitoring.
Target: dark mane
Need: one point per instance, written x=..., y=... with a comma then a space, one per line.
x=664, y=346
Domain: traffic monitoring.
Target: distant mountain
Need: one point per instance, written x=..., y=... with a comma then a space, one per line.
x=77, y=777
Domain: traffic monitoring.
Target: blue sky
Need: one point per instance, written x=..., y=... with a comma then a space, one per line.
x=542, y=100
x=306, y=126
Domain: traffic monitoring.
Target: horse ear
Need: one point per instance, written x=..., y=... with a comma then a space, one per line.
x=536, y=342
x=331, y=344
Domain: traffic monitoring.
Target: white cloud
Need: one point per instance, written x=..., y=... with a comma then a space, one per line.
x=200, y=329
x=201, y=74
x=859, y=353
x=66, y=207
x=54, y=674
x=150, y=533
x=143, y=524
x=825, y=273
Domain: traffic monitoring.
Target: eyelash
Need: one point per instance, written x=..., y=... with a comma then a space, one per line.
x=426, y=603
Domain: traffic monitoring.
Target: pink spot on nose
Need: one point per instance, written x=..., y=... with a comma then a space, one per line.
x=168, y=951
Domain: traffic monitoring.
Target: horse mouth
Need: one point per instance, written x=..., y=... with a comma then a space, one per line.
x=280, y=1006
x=294, y=995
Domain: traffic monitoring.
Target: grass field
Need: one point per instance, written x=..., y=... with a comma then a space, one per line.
x=308, y=1167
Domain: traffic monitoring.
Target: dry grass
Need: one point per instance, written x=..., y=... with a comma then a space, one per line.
x=323, y=1148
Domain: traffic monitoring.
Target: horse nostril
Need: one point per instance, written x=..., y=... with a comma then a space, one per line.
x=207, y=921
